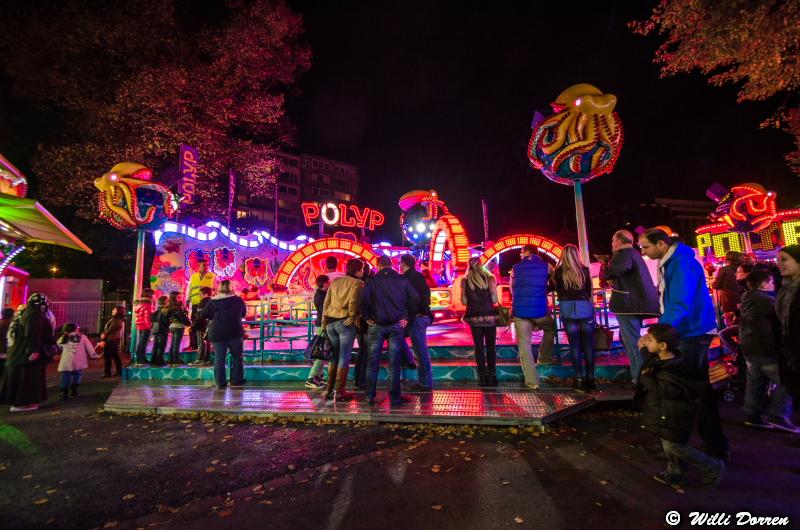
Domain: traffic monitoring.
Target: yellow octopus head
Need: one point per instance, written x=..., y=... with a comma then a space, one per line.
x=581, y=140
x=128, y=199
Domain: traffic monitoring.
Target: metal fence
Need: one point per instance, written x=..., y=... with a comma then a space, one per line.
x=91, y=316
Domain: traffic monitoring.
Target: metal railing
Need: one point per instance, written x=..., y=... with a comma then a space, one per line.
x=91, y=316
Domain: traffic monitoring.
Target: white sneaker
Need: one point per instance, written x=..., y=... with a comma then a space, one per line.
x=24, y=408
x=532, y=387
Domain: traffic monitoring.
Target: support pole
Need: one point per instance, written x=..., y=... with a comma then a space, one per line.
x=748, y=245
x=138, y=276
x=580, y=218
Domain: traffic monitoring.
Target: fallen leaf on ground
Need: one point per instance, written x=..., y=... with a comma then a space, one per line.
x=225, y=513
x=101, y=449
x=437, y=506
x=265, y=502
x=110, y=524
x=506, y=483
x=291, y=467
x=128, y=497
x=209, y=469
x=519, y=520
x=26, y=477
x=436, y=468
x=40, y=501
x=603, y=482
x=214, y=462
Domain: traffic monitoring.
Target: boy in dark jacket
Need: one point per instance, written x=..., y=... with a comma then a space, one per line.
x=315, y=379
x=759, y=330
x=671, y=387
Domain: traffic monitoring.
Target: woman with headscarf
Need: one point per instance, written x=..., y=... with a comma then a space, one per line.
x=479, y=295
x=30, y=349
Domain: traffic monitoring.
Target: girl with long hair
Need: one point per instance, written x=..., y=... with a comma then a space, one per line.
x=573, y=285
x=479, y=295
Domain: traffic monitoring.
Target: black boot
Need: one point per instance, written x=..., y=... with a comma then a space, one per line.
x=482, y=379
x=74, y=389
x=491, y=378
x=63, y=393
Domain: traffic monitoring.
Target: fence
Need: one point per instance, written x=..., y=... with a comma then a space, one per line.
x=91, y=316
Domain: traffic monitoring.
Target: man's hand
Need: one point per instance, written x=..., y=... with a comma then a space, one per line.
x=640, y=343
x=370, y=322
x=403, y=322
x=348, y=322
x=34, y=356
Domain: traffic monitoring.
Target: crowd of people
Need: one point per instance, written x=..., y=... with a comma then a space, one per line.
x=669, y=363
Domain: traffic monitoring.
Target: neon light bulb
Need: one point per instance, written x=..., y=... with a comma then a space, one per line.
x=420, y=227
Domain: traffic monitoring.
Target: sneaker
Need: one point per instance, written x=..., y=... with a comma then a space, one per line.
x=106, y=376
x=783, y=424
x=532, y=387
x=222, y=387
x=24, y=408
x=663, y=478
x=313, y=383
x=240, y=383
x=757, y=422
x=712, y=479
x=401, y=401
x=418, y=387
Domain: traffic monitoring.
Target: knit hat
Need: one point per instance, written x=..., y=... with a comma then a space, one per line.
x=793, y=251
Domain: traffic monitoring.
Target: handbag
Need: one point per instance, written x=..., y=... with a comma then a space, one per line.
x=602, y=338
x=319, y=348
x=576, y=309
x=503, y=316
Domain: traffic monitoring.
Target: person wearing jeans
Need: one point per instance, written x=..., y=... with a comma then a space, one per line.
x=142, y=310
x=573, y=285
x=224, y=313
x=418, y=326
x=633, y=296
x=340, y=320
x=113, y=334
x=386, y=302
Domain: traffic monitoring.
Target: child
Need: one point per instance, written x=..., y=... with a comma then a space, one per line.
x=113, y=335
x=314, y=380
x=142, y=310
x=178, y=321
x=759, y=330
x=160, y=331
x=5, y=323
x=75, y=352
x=671, y=387
x=199, y=327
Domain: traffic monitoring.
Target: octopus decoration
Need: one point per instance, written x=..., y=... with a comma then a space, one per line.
x=421, y=210
x=257, y=271
x=746, y=208
x=581, y=140
x=224, y=262
x=128, y=198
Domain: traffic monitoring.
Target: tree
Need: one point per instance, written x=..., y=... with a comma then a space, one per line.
x=136, y=78
x=753, y=43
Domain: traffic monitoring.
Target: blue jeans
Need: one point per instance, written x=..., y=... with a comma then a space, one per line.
x=72, y=377
x=142, y=336
x=221, y=349
x=342, y=339
x=630, y=329
x=418, y=329
x=159, y=345
x=580, y=334
x=709, y=423
x=760, y=373
x=376, y=335
x=175, y=345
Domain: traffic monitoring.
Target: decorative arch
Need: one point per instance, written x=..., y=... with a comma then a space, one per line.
x=322, y=246
x=449, y=233
x=547, y=247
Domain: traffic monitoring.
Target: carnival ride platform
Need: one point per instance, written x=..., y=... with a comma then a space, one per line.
x=509, y=404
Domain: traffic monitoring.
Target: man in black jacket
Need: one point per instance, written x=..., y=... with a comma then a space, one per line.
x=633, y=296
x=226, y=333
x=418, y=324
x=387, y=302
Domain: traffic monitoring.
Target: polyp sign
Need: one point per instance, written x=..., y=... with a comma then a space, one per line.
x=345, y=215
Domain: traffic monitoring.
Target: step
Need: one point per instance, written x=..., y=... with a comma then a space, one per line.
x=450, y=370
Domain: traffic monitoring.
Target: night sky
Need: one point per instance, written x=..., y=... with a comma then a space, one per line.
x=441, y=95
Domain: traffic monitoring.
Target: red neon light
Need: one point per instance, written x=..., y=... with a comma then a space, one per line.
x=549, y=248
x=347, y=215
x=321, y=246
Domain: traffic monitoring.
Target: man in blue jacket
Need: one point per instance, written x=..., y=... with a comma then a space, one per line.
x=686, y=306
x=387, y=303
x=529, y=280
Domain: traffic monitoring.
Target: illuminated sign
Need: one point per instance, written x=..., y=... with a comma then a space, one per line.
x=719, y=238
x=322, y=246
x=548, y=247
x=345, y=215
x=188, y=169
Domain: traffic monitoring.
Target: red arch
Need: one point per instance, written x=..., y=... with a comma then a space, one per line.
x=547, y=247
x=321, y=246
x=449, y=232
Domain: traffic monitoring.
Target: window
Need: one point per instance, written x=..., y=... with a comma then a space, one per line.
x=339, y=196
x=324, y=193
x=315, y=164
x=305, y=163
x=293, y=191
x=340, y=183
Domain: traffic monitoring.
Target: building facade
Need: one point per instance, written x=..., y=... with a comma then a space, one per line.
x=301, y=177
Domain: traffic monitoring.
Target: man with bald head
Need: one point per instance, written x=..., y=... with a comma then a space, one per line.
x=633, y=297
